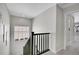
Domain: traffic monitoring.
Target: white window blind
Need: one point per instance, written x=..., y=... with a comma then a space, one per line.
x=21, y=32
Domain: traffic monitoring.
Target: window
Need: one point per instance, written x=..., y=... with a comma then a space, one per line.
x=21, y=32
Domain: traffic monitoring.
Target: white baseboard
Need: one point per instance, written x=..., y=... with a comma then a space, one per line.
x=59, y=49
x=54, y=51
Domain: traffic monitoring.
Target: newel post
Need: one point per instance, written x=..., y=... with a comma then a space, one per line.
x=32, y=41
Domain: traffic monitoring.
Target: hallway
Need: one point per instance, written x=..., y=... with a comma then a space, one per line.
x=71, y=50
x=56, y=19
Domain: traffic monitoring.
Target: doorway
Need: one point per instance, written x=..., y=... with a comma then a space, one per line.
x=69, y=30
x=71, y=34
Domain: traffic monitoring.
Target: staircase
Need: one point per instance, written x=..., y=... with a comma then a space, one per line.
x=37, y=44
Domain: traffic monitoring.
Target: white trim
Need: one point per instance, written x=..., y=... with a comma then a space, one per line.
x=59, y=49
x=53, y=36
x=55, y=44
x=53, y=51
x=64, y=31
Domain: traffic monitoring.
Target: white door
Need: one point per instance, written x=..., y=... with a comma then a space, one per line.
x=69, y=30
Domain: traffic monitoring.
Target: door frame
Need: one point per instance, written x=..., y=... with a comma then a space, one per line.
x=65, y=16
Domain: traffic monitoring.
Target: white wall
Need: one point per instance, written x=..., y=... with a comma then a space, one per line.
x=17, y=21
x=59, y=29
x=4, y=49
x=46, y=22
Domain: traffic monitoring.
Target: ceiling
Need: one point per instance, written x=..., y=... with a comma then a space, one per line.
x=31, y=10
x=65, y=5
x=28, y=10
x=72, y=7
